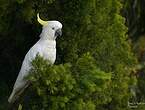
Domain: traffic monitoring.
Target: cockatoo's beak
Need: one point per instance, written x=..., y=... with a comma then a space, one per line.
x=58, y=33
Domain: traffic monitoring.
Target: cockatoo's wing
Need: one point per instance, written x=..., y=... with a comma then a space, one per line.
x=21, y=83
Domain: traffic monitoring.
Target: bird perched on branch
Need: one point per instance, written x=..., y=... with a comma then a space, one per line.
x=45, y=47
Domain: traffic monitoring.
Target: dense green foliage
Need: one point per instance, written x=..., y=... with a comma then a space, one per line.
x=68, y=87
x=94, y=59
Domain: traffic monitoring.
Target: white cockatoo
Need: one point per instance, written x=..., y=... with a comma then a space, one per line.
x=45, y=47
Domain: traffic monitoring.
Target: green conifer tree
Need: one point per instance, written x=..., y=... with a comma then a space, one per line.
x=98, y=28
x=94, y=62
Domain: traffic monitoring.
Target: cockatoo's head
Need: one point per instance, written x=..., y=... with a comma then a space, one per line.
x=51, y=29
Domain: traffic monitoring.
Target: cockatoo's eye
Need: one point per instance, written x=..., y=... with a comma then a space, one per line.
x=53, y=28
